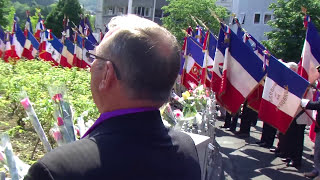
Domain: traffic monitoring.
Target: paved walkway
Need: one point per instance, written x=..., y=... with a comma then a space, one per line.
x=243, y=159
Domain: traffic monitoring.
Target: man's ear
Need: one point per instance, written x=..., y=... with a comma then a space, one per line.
x=108, y=76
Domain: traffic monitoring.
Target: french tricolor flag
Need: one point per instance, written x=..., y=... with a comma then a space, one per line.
x=31, y=46
x=281, y=96
x=54, y=47
x=193, y=60
x=18, y=39
x=254, y=98
x=8, y=52
x=310, y=53
x=67, y=54
x=242, y=72
x=88, y=47
x=217, y=68
x=310, y=58
x=39, y=28
x=209, y=48
x=78, y=52
x=28, y=26
x=2, y=42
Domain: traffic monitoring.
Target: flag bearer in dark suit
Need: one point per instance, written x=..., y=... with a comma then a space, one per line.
x=314, y=106
x=133, y=72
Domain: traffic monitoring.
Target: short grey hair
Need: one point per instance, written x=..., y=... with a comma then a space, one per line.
x=293, y=66
x=147, y=56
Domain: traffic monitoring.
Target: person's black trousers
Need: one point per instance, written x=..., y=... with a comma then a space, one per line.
x=292, y=142
x=268, y=134
x=231, y=122
x=247, y=118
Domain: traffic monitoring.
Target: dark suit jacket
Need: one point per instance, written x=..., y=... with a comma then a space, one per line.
x=315, y=106
x=132, y=146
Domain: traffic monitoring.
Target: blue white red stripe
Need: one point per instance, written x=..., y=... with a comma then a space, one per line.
x=282, y=95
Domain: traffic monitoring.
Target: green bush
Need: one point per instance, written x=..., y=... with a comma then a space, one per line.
x=34, y=77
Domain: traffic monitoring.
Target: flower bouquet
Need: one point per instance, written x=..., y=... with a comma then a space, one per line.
x=63, y=113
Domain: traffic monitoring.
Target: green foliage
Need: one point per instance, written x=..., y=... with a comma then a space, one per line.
x=5, y=6
x=179, y=19
x=90, y=5
x=92, y=19
x=70, y=8
x=287, y=38
x=35, y=77
x=10, y=17
x=21, y=13
x=35, y=2
x=35, y=18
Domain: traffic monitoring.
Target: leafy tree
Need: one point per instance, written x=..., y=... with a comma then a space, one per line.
x=35, y=2
x=4, y=10
x=70, y=8
x=179, y=19
x=35, y=18
x=287, y=38
x=21, y=12
x=10, y=17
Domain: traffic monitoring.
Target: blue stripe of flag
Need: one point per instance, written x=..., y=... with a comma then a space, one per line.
x=246, y=57
x=2, y=34
x=212, y=45
x=20, y=36
x=314, y=40
x=194, y=49
x=284, y=76
x=220, y=44
x=69, y=45
x=33, y=40
x=56, y=44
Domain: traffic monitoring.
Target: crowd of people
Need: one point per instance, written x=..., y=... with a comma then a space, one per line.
x=290, y=145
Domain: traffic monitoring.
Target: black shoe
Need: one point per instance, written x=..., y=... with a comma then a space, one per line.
x=275, y=150
x=231, y=129
x=294, y=164
x=224, y=126
x=287, y=160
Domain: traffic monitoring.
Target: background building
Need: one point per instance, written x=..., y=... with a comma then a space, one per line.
x=253, y=16
x=106, y=9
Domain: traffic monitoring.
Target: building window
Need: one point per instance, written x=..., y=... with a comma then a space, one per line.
x=120, y=11
x=110, y=11
x=256, y=18
x=147, y=12
x=142, y=11
x=242, y=18
x=267, y=17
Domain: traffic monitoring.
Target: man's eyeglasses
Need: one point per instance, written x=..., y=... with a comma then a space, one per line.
x=91, y=57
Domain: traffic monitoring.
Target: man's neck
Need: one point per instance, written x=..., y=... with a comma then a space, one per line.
x=131, y=104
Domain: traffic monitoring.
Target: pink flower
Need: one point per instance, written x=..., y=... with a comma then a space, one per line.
x=57, y=97
x=60, y=121
x=207, y=93
x=177, y=113
x=192, y=85
x=25, y=102
x=57, y=136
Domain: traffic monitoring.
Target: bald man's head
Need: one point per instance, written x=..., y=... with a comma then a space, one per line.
x=147, y=56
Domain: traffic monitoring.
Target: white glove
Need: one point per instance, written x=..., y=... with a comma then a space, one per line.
x=304, y=102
